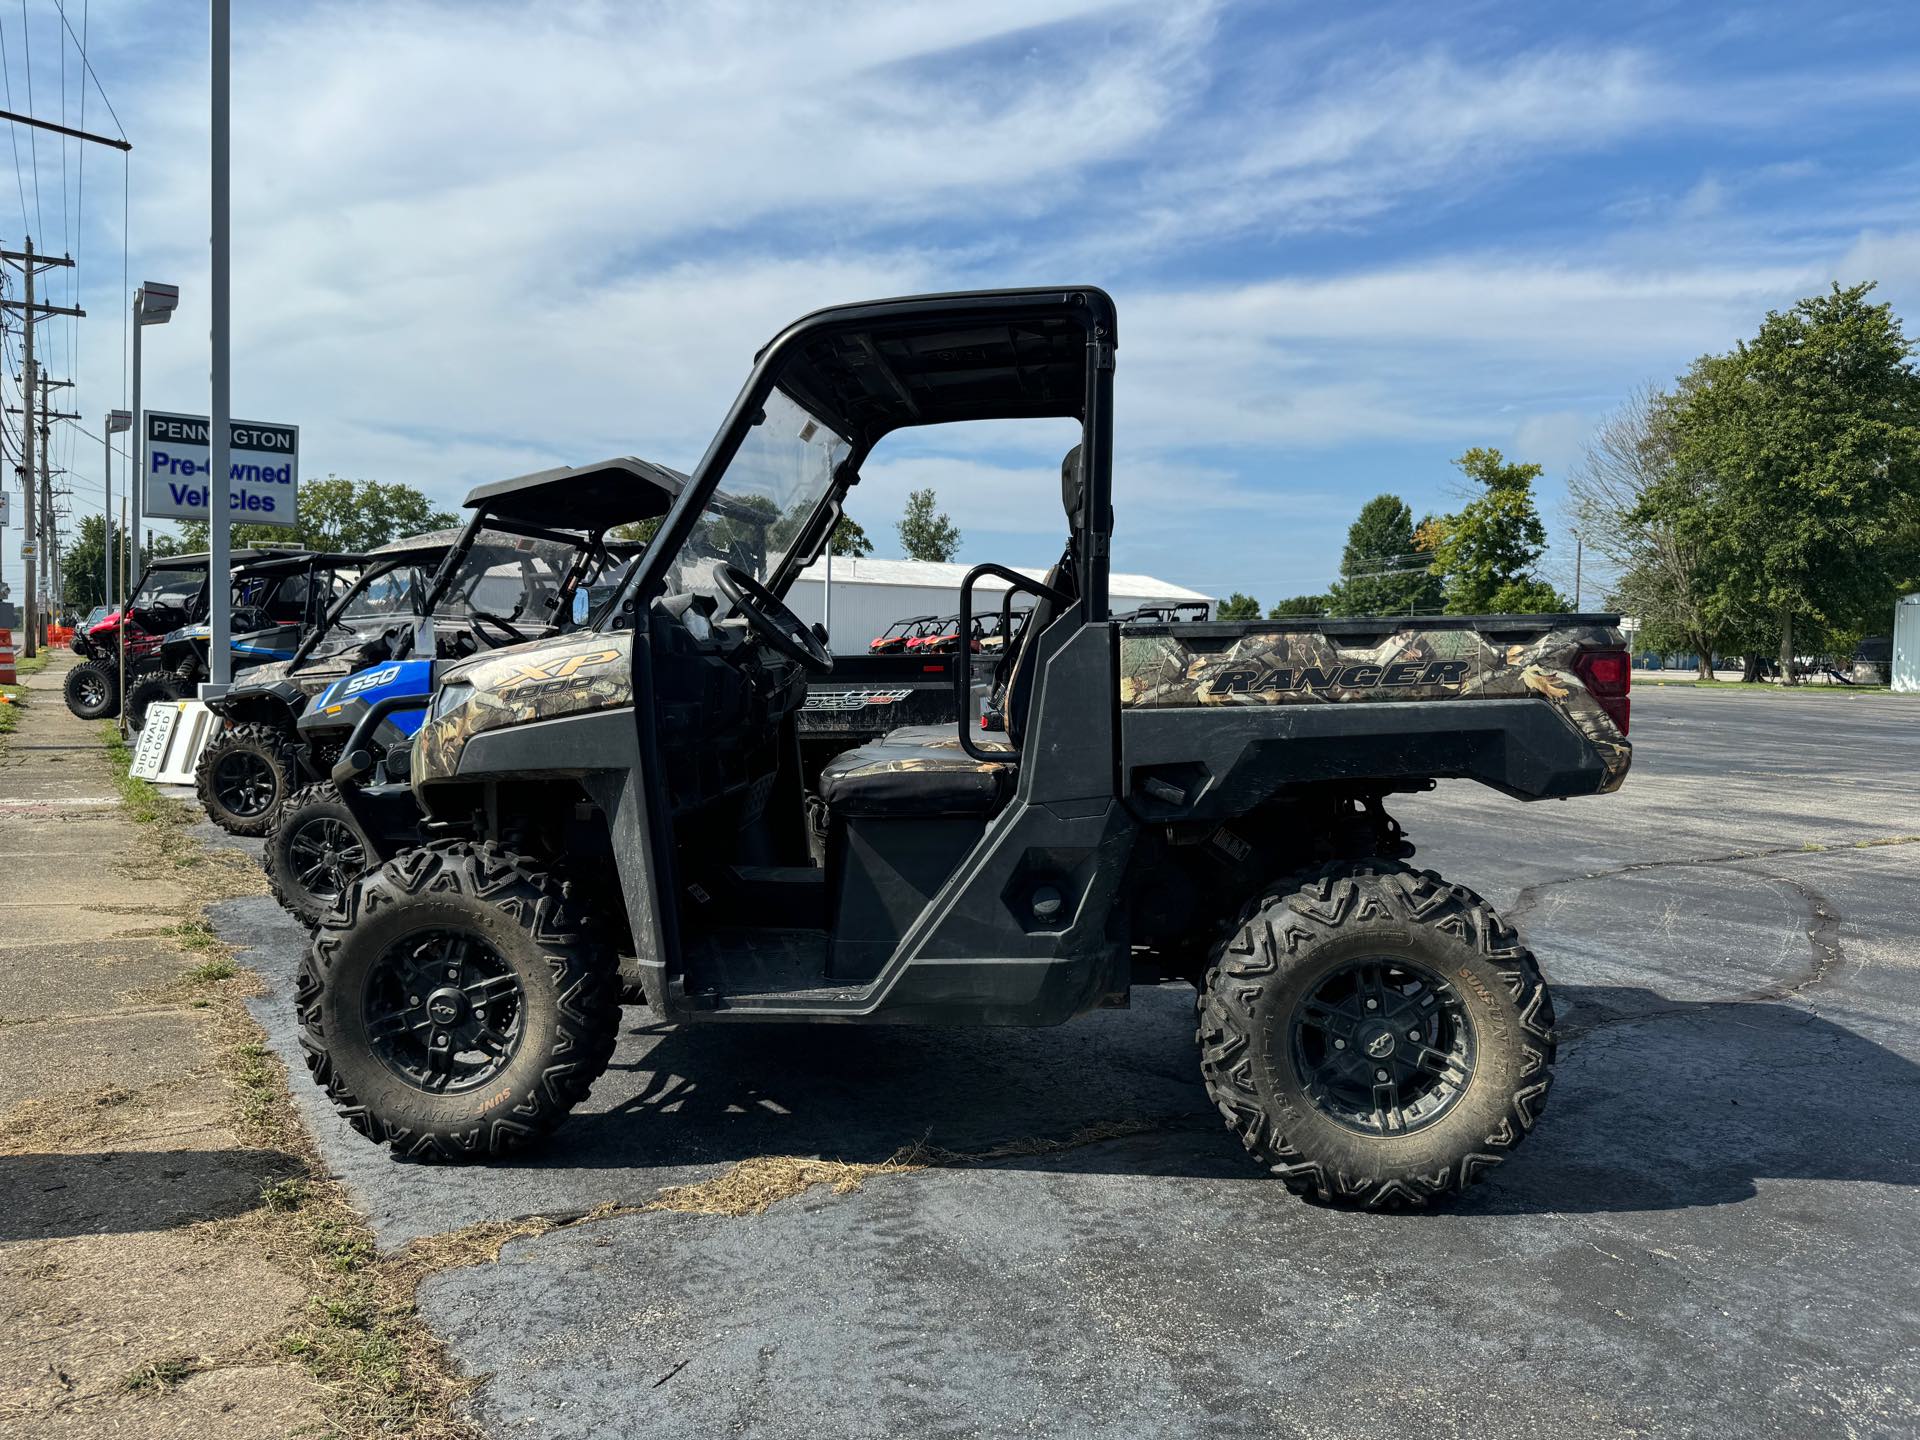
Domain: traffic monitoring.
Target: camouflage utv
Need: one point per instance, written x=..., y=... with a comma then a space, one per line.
x=1166, y=801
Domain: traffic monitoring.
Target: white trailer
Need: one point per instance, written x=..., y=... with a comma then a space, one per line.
x=869, y=595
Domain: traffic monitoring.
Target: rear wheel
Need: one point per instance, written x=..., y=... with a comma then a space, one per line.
x=243, y=775
x=315, y=849
x=1376, y=1036
x=93, y=691
x=455, y=1005
x=149, y=685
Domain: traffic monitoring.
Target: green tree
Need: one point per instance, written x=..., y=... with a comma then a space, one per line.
x=1492, y=542
x=639, y=532
x=1383, y=571
x=849, y=539
x=339, y=514
x=1527, y=597
x=925, y=535
x=1300, y=605
x=84, y=563
x=1797, y=471
x=1237, y=607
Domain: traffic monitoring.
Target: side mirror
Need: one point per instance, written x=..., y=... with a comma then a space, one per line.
x=582, y=606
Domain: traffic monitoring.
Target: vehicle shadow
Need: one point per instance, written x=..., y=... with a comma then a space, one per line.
x=120, y=1192
x=1657, y=1103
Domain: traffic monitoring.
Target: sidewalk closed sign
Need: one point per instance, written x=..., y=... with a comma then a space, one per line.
x=265, y=469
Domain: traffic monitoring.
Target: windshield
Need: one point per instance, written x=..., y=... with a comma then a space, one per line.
x=170, y=587
x=511, y=577
x=776, y=479
x=399, y=593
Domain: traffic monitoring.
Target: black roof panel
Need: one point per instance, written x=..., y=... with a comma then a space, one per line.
x=585, y=497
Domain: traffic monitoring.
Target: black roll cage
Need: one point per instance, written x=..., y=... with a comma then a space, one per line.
x=1086, y=307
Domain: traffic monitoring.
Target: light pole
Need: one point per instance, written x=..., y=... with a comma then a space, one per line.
x=117, y=421
x=219, y=431
x=153, y=304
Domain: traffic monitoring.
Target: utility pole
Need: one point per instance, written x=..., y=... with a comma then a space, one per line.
x=50, y=565
x=31, y=314
x=52, y=575
x=1576, y=573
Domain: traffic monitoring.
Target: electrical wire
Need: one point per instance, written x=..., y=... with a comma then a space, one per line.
x=60, y=5
x=33, y=145
x=19, y=179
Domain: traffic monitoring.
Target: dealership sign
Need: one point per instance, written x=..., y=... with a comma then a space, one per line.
x=264, y=461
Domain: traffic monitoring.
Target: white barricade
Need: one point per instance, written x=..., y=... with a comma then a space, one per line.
x=172, y=739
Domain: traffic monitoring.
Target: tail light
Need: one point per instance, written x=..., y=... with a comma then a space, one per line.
x=1608, y=676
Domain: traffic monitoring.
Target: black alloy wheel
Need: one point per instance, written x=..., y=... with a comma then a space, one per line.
x=90, y=691
x=443, y=1011
x=325, y=856
x=1383, y=1046
x=244, y=783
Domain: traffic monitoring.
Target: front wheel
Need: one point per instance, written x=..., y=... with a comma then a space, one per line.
x=93, y=691
x=455, y=1005
x=315, y=849
x=243, y=776
x=150, y=684
x=1376, y=1036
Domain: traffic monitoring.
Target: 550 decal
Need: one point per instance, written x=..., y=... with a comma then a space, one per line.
x=372, y=680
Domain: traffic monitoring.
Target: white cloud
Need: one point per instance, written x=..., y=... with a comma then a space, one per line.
x=473, y=239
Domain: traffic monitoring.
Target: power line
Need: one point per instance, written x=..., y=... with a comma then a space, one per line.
x=33, y=143
x=18, y=179
x=61, y=7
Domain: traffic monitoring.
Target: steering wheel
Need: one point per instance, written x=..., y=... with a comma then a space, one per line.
x=771, y=620
x=499, y=621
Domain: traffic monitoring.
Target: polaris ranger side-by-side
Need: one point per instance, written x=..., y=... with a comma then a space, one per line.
x=1202, y=801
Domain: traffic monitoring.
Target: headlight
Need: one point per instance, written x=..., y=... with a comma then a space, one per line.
x=449, y=698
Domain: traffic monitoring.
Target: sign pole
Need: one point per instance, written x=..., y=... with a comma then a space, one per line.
x=121, y=648
x=137, y=482
x=219, y=436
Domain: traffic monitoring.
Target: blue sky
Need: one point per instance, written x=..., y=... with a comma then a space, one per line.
x=1347, y=242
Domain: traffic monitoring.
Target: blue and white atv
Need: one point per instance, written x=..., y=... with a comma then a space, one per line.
x=320, y=841
x=507, y=578
x=257, y=759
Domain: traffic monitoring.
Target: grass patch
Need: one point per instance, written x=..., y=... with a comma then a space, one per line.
x=145, y=804
x=158, y=1375
x=198, y=936
x=288, y=1194
x=212, y=972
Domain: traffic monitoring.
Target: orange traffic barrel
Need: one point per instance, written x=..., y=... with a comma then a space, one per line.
x=7, y=677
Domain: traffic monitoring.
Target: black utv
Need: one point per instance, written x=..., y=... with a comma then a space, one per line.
x=1168, y=800
x=277, y=602
x=273, y=597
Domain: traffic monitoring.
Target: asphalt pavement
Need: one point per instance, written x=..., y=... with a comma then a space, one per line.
x=1714, y=1230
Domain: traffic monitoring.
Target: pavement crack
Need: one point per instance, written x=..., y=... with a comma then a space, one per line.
x=1530, y=895
x=1823, y=940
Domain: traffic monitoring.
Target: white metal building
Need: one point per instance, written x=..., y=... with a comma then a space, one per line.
x=869, y=595
x=1906, y=645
